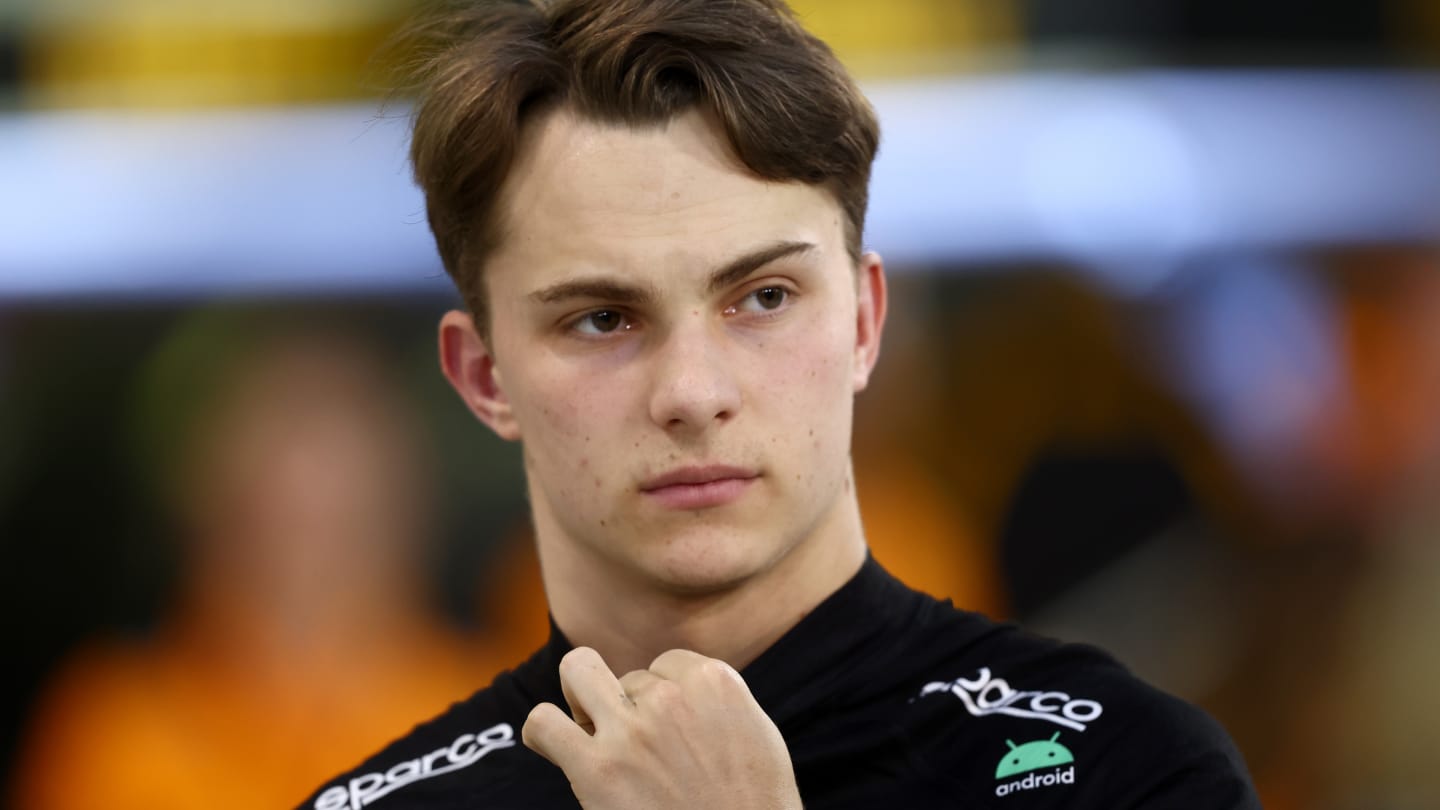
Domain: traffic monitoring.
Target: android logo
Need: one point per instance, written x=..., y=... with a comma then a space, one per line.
x=1033, y=755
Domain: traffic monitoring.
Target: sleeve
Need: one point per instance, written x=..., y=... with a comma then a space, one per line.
x=1136, y=747
x=1210, y=781
x=1184, y=761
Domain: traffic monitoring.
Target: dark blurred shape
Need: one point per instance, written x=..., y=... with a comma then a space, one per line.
x=64, y=510
x=1076, y=510
x=1361, y=25
x=301, y=637
x=1107, y=22
x=1223, y=31
x=9, y=63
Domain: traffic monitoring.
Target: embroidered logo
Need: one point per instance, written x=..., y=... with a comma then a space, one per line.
x=1029, y=759
x=985, y=695
x=1033, y=756
x=466, y=750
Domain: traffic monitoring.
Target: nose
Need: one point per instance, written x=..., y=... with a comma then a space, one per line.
x=694, y=386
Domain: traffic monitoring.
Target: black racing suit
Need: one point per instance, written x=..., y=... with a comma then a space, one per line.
x=887, y=698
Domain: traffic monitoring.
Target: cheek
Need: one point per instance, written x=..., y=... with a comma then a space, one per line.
x=822, y=361
x=810, y=382
x=567, y=423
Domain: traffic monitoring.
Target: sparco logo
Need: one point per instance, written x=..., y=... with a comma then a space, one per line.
x=466, y=750
x=986, y=695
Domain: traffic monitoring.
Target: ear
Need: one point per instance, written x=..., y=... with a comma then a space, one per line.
x=470, y=367
x=869, y=316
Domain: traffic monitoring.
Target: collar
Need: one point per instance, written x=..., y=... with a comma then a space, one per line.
x=847, y=638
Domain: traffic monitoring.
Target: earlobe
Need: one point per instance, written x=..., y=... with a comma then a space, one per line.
x=869, y=316
x=470, y=367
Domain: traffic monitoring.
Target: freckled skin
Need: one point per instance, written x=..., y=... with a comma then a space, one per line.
x=588, y=393
x=696, y=376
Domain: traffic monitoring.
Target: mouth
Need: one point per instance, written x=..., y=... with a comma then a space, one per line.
x=699, y=487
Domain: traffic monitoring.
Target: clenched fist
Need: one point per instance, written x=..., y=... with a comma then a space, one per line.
x=685, y=733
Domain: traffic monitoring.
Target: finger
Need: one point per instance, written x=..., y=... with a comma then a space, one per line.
x=684, y=665
x=549, y=732
x=637, y=682
x=591, y=689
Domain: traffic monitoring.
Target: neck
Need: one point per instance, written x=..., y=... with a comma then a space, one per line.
x=630, y=621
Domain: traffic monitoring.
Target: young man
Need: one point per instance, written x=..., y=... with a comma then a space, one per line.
x=653, y=209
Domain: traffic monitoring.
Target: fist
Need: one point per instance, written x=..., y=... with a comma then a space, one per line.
x=685, y=733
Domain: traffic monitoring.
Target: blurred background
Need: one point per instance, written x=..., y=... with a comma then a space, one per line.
x=1162, y=373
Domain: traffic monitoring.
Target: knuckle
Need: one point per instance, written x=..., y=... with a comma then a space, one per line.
x=718, y=676
x=665, y=695
x=534, y=726
x=537, y=714
x=578, y=659
x=715, y=669
x=676, y=656
x=540, y=718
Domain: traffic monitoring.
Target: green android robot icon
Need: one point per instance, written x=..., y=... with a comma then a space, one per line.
x=1033, y=755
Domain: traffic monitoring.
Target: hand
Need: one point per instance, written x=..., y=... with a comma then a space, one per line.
x=685, y=733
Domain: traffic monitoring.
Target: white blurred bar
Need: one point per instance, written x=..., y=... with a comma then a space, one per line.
x=1130, y=170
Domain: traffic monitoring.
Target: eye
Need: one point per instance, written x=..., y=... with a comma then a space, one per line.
x=762, y=300
x=601, y=322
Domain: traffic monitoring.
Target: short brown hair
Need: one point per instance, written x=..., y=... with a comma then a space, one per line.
x=482, y=68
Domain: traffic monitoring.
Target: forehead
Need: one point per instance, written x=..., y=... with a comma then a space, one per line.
x=597, y=195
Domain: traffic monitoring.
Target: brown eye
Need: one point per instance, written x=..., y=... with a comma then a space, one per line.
x=600, y=322
x=770, y=297
x=762, y=300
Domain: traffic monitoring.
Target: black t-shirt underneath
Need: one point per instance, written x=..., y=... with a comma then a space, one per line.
x=886, y=698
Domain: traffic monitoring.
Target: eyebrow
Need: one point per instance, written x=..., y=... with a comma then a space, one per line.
x=609, y=289
x=602, y=288
x=738, y=269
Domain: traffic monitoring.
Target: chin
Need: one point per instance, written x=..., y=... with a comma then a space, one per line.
x=694, y=566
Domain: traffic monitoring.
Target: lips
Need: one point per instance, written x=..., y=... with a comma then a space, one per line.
x=692, y=476
x=699, y=487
